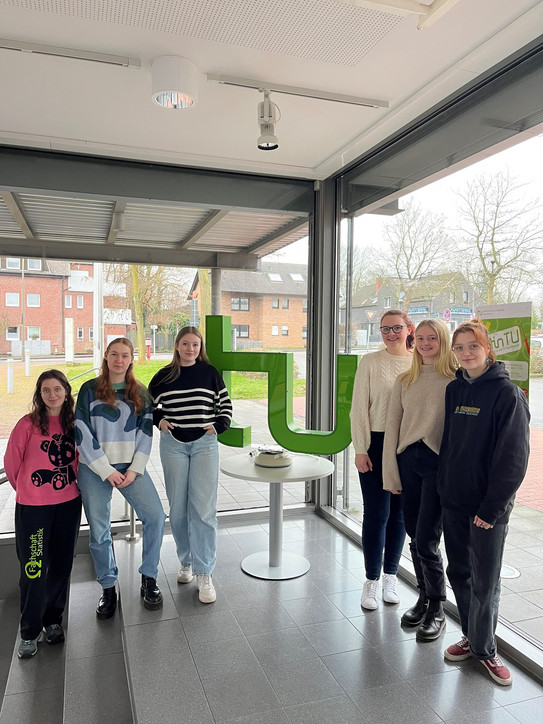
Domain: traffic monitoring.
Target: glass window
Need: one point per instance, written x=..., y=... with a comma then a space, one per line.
x=33, y=300
x=387, y=304
x=234, y=304
x=285, y=303
x=33, y=264
x=12, y=299
x=304, y=332
x=296, y=277
x=284, y=330
x=465, y=296
x=304, y=306
x=80, y=334
x=275, y=330
x=452, y=298
x=12, y=333
x=244, y=304
x=33, y=332
x=91, y=332
x=241, y=330
x=67, y=301
x=80, y=301
x=13, y=264
x=275, y=277
x=275, y=303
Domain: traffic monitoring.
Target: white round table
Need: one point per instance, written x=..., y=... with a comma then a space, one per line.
x=276, y=564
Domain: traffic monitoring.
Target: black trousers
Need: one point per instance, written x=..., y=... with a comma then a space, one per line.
x=423, y=517
x=45, y=536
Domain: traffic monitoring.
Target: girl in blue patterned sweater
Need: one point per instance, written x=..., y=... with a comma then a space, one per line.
x=114, y=434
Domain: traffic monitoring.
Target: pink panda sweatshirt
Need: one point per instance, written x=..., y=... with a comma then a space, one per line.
x=41, y=468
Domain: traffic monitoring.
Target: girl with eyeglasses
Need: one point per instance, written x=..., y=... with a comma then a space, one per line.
x=483, y=460
x=383, y=531
x=410, y=461
x=41, y=465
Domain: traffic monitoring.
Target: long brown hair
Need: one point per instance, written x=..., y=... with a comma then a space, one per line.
x=134, y=391
x=39, y=416
x=175, y=365
x=480, y=333
x=398, y=313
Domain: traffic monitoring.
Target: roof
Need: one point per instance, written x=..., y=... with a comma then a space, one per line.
x=263, y=281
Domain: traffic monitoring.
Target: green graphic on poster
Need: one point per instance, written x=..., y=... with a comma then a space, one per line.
x=509, y=327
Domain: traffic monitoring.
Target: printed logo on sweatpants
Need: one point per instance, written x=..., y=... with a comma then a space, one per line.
x=33, y=566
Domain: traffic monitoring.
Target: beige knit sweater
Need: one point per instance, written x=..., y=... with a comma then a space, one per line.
x=417, y=413
x=373, y=382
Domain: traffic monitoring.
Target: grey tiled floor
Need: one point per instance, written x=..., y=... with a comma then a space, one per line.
x=302, y=650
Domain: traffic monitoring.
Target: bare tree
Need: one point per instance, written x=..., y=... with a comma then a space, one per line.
x=417, y=251
x=364, y=269
x=501, y=237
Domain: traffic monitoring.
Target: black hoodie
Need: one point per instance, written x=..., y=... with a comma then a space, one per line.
x=485, y=446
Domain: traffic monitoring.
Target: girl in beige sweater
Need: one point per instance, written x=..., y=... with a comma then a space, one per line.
x=413, y=431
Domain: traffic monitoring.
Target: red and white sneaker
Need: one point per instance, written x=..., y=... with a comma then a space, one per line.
x=459, y=651
x=498, y=671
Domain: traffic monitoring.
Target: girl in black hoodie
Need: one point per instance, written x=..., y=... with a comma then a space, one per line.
x=483, y=460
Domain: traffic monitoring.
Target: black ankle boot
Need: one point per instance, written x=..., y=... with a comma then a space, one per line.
x=150, y=592
x=414, y=615
x=433, y=623
x=107, y=603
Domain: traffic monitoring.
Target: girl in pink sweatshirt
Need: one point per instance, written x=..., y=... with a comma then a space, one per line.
x=41, y=465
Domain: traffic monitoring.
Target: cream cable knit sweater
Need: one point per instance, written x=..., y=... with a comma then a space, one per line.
x=373, y=382
x=417, y=413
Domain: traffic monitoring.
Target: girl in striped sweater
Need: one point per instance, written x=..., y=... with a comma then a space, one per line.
x=192, y=407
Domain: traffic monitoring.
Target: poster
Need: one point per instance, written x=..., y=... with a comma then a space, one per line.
x=509, y=329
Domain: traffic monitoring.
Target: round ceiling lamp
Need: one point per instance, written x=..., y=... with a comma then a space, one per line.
x=174, y=82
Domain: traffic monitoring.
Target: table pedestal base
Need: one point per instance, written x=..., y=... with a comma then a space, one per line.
x=258, y=565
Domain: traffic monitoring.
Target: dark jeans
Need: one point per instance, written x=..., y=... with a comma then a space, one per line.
x=423, y=517
x=382, y=524
x=45, y=537
x=475, y=559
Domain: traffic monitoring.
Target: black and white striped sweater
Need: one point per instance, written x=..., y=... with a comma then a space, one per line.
x=197, y=398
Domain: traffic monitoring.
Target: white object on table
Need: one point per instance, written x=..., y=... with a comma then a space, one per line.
x=276, y=564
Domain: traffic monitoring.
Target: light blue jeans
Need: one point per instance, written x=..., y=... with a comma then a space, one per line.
x=143, y=497
x=191, y=477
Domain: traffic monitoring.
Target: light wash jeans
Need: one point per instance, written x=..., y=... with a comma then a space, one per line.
x=191, y=477
x=143, y=497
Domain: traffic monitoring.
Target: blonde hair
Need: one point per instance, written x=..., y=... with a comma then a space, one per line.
x=445, y=362
x=134, y=392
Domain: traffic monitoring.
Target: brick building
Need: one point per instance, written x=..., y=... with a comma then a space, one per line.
x=38, y=295
x=268, y=307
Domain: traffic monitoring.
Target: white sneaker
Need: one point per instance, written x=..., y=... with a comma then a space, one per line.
x=369, y=595
x=206, y=589
x=185, y=574
x=389, y=588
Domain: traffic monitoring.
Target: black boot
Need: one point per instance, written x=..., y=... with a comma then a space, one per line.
x=150, y=592
x=107, y=603
x=433, y=623
x=414, y=615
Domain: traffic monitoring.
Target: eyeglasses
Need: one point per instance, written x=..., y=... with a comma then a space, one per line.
x=396, y=328
x=459, y=348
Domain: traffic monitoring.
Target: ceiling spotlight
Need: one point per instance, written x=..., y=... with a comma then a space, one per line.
x=268, y=115
x=174, y=82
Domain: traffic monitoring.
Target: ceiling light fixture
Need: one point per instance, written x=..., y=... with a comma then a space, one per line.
x=174, y=82
x=268, y=115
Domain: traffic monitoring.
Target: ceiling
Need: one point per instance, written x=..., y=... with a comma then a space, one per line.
x=371, y=49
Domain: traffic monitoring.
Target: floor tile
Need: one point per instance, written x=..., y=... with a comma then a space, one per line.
x=221, y=658
x=281, y=647
x=332, y=637
x=451, y=693
x=339, y=709
x=392, y=704
x=259, y=619
x=218, y=625
x=44, y=706
x=312, y=610
x=364, y=668
x=527, y=712
x=245, y=694
x=302, y=681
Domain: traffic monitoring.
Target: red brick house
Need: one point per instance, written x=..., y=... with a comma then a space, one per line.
x=268, y=307
x=38, y=295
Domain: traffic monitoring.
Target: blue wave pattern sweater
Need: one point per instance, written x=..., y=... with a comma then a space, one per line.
x=108, y=436
x=197, y=398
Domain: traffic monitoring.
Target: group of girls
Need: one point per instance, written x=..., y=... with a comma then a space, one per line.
x=58, y=458
x=441, y=438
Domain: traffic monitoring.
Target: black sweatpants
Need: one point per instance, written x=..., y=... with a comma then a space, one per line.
x=45, y=537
